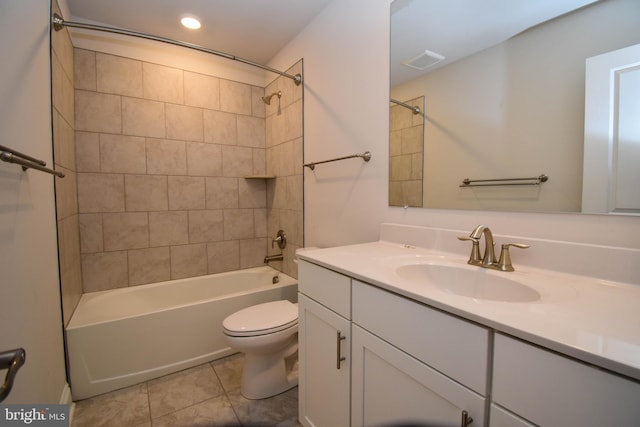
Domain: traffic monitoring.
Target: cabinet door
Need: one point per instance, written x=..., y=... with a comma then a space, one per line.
x=392, y=388
x=324, y=378
x=548, y=389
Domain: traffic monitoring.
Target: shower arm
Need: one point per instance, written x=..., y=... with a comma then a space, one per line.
x=59, y=23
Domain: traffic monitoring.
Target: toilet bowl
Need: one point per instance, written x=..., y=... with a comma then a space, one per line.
x=267, y=334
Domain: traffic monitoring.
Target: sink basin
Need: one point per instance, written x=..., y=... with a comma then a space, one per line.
x=472, y=282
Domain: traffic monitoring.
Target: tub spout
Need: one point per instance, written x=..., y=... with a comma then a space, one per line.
x=272, y=258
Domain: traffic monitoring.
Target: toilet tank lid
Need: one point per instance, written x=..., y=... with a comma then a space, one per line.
x=262, y=316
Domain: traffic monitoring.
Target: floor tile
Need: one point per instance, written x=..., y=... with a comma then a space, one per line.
x=280, y=410
x=182, y=389
x=128, y=407
x=229, y=371
x=213, y=412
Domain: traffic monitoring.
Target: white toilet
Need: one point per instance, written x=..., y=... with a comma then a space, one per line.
x=267, y=334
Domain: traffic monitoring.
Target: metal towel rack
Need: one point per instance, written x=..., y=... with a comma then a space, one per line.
x=536, y=180
x=366, y=156
x=12, y=156
x=11, y=360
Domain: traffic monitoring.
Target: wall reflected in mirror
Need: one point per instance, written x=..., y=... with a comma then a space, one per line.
x=512, y=109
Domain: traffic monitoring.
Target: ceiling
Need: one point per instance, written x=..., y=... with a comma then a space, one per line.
x=251, y=29
x=458, y=28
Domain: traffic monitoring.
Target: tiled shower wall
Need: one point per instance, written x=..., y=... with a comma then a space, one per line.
x=406, y=154
x=284, y=141
x=65, y=161
x=161, y=157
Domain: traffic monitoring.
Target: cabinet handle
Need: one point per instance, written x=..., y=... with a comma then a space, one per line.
x=339, y=357
x=466, y=419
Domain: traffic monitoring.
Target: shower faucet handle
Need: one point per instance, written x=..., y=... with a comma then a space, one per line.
x=281, y=239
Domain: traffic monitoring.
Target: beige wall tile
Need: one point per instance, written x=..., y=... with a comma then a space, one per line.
x=71, y=290
x=184, y=122
x=235, y=97
x=412, y=140
x=100, y=193
x=252, y=252
x=257, y=105
x=62, y=90
x=84, y=69
x=201, y=90
x=237, y=161
x=252, y=193
x=149, y=265
x=168, y=228
x=295, y=190
x=186, y=193
x=97, y=112
x=126, y=230
x=91, y=239
x=221, y=193
x=63, y=142
x=63, y=48
x=105, y=270
x=251, y=131
x=260, y=223
x=238, y=224
x=204, y=159
x=205, y=226
x=223, y=256
x=259, y=161
x=87, y=152
x=166, y=157
x=146, y=193
x=220, y=127
x=66, y=194
x=188, y=261
x=122, y=154
x=142, y=117
x=68, y=243
x=163, y=83
x=118, y=75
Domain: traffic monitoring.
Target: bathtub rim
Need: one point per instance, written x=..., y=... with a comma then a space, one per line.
x=285, y=280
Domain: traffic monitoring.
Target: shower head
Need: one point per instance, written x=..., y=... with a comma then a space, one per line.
x=267, y=99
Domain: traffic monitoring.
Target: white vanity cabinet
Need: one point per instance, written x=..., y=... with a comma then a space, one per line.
x=403, y=361
x=548, y=389
x=413, y=365
x=324, y=337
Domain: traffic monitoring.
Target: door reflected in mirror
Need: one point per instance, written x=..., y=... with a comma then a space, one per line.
x=511, y=109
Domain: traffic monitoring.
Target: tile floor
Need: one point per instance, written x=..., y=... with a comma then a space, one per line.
x=205, y=396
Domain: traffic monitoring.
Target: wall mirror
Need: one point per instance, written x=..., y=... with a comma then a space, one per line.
x=502, y=85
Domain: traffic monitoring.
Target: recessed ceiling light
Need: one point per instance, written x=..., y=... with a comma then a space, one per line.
x=190, y=22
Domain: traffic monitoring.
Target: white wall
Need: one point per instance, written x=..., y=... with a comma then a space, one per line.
x=345, y=51
x=29, y=286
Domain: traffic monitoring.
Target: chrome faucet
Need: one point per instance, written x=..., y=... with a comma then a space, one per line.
x=489, y=257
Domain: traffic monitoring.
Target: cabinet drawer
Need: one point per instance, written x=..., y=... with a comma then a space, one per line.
x=549, y=389
x=457, y=348
x=329, y=288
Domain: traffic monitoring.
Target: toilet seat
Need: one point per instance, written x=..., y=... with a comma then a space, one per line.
x=262, y=319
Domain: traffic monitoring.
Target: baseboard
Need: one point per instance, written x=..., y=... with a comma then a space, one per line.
x=67, y=399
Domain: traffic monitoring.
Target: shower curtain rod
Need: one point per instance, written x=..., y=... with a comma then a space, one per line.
x=416, y=110
x=58, y=23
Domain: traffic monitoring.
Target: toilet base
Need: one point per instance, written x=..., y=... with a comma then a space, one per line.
x=265, y=376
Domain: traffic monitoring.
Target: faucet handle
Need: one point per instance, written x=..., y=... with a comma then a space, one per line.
x=504, y=263
x=474, y=258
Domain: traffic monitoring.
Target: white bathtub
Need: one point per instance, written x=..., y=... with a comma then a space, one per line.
x=125, y=336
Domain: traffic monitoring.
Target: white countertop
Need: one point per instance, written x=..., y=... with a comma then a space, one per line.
x=593, y=320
